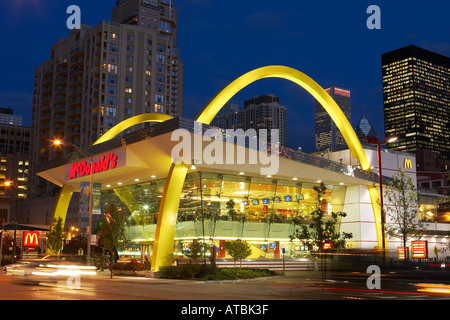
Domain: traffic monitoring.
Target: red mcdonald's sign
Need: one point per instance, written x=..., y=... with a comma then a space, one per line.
x=81, y=169
x=31, y=238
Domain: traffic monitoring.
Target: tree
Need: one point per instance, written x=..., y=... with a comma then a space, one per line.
x=55, y=236
x=403, y=199
x=317, y=230
x=195, y=250
x=112, y=232
x=238, y=249
x=231, y=212
x=321, y=229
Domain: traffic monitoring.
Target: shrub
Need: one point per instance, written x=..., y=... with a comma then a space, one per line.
x=187, y=271
x=132, y=266
x=234, y=274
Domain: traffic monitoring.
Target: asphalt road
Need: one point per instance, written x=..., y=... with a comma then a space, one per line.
x=268, y=298
x=306, y=286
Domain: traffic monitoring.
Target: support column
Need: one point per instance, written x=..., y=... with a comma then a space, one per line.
x=167, y=217
x=62, y=205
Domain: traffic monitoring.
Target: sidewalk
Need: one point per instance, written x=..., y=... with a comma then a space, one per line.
x=106, y=276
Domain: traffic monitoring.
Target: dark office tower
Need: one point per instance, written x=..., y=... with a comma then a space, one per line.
x=365, y=129
x=416, y=85
x=99, y=76
x=328, y=136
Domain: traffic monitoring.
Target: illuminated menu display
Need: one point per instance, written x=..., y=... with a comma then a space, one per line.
x=419, y=249
x=402, y=253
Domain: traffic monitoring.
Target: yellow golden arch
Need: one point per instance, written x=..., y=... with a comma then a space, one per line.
x=168, y=211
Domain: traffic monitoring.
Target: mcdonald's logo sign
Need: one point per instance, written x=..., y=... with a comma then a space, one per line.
x=31, y=238
x=407, y=164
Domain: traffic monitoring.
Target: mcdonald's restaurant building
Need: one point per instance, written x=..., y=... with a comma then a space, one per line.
x=171, y=201
x=434, y=222
x=224, y=201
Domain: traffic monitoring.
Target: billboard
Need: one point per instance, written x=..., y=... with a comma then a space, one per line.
x=85, y=197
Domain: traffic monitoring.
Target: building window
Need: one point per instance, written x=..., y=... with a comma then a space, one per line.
x=110, y=122
x=111, y=111
x=112, y=90
x=111, y=101
x=114, y=58
x=161, y=48
x=159, y=108
x=112, y=79
x=114, y=37
x=161, y=58
x=113, y=47
x=112, y=68
x=159, y=98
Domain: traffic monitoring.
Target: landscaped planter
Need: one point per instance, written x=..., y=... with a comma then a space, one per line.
x=130, y=273
x=132, y=269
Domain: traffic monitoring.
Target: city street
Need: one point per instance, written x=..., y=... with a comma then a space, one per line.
x=308, y=286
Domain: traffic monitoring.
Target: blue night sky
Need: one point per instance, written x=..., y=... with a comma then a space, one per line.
x=221, y=40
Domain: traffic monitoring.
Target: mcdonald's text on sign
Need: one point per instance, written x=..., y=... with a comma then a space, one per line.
x=31, y=238
x=83, y=168
x=408, y=164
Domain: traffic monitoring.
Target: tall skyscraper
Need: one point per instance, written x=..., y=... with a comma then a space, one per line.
x=328, y=136
x=365, y=129
x=99, y=76
x=416, y=86
x=264, y=112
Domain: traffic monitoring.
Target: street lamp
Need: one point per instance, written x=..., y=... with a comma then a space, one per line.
x=375, y=141
x=12, y=184
x=58, y=142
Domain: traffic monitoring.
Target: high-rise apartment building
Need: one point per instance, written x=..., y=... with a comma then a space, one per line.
x=14, y=166
x=328, y=136
x=416, y=87
x=99, y=76
x=227, y=118
x=264, y=112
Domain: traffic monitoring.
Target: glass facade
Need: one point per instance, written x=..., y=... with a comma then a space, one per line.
x=215, y=208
